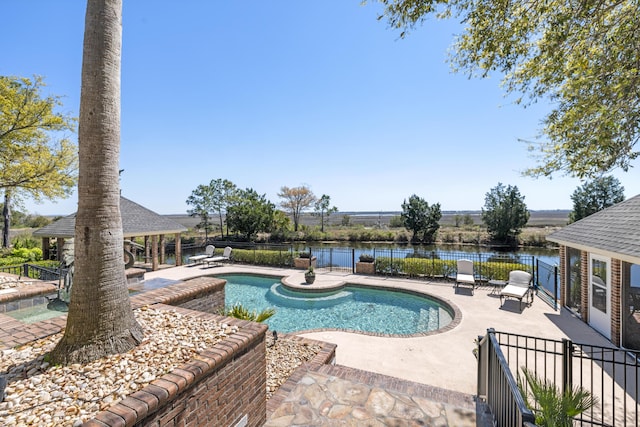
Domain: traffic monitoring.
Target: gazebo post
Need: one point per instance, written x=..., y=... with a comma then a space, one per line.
x=154, y=252
x=162, y=249
x=147, y=249
x=59, y=246
x=46, y=248
x=178, y=241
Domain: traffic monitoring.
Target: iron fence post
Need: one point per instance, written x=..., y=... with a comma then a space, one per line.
x=567, y=364
x=353, y=259
x=555, y=287
x=25, y=270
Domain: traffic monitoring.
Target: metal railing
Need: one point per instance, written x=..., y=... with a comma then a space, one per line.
x=34, y=271
x=498, y=387
x=611, y=375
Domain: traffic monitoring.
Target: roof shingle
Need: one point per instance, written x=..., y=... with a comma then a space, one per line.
x=615, y=230
x=136, y=221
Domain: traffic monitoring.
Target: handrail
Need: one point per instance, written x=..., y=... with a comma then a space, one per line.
x=497, y=385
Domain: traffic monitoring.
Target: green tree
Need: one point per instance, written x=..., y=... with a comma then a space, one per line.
x=583, y=56
x=323, y=209
x=211, y=199
x=203, y=206
x=295, y=201
x=100, y=319
x=223, y=192
x=420, y=218
x=595, y=195
x=250, y=213
x=34, y=160
x=505, y=214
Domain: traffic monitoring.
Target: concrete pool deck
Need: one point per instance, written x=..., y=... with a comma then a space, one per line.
x=443, y=359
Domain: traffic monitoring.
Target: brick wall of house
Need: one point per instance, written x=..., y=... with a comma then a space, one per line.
x=562, y=252
x=584, y=273
x=616, y=299
x=224, y=386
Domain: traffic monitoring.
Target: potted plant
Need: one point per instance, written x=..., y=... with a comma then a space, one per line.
x=304, y=260
x=366, y=265
x=310, y=275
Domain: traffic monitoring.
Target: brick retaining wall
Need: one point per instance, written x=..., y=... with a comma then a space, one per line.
x=223, y=386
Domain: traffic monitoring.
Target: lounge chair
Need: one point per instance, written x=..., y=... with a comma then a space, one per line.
x=518, y=286
x=464, y=274
x=226, y=255
x=208, y=252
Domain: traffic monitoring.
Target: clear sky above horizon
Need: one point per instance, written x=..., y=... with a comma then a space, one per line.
x=289, y=93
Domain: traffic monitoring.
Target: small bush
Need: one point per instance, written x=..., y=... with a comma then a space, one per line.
x=263, y=257
x=366, y=258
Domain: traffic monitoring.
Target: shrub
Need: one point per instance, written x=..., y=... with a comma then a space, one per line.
x=434, y=267
x=263, y=257
x=366, y=258
x=33, y=254
x=238, y=311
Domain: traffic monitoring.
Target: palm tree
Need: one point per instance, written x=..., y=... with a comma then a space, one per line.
x=552, y=407
x=100, y=320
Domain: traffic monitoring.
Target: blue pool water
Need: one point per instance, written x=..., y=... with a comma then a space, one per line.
x=353, y=308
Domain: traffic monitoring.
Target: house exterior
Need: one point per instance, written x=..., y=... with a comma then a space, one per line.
x=600, y=271
x=137, y=221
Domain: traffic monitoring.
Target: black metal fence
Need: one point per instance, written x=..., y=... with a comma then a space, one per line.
x=34, y=271
x=498, y=386
x=611, y=375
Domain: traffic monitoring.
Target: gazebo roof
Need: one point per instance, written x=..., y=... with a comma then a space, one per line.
x=614, y=232
x=136, y=221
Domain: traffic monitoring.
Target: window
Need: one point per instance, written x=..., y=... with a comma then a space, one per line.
x=573, y=295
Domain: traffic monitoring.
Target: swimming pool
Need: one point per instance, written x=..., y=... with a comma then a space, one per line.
x=352, y=308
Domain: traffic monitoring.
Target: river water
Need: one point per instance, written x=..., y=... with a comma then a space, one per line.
x=547, y=255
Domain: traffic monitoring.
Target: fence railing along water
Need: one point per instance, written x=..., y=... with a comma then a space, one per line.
x=611, y=375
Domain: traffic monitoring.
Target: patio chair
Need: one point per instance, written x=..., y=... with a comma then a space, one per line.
x=208, y=252
x=518, y=286
x=226, y=255
x=464, y=274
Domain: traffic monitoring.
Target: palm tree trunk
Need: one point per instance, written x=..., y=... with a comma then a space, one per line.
x=100, y=320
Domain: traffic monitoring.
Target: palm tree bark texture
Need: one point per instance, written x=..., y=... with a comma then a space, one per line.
x=100, y=319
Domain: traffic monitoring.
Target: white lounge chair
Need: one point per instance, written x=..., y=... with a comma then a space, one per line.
x=208, y=252
x=518, y=286
x=226, y=255
x=464, y=274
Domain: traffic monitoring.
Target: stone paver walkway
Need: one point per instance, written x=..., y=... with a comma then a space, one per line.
x=338, y=395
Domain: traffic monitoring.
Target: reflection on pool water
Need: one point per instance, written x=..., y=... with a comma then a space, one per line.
x=353, y=308
x=34, y=314
x=39, y=312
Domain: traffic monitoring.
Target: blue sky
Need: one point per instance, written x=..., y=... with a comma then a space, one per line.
x=289, y=93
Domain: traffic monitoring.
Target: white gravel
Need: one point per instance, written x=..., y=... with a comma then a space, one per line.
x=44, y=395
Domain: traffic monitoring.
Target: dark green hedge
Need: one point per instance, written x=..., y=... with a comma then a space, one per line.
x=415, y=267
x=263, y=257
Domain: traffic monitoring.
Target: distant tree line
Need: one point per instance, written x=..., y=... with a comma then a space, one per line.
x=504, y=214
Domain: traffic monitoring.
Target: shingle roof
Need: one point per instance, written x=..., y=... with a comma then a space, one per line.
x=614, y=231
x=136, y=221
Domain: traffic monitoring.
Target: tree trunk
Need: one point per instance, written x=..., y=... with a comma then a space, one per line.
x=100, y=320
x=6, y=214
